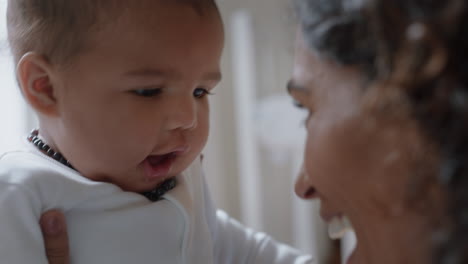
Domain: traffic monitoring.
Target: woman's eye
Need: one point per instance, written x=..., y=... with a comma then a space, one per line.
x=200, y=92
x=298, y=104
x=147, y=92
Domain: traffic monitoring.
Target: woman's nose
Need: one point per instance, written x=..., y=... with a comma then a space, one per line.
x=183, y=115
x=303, y=187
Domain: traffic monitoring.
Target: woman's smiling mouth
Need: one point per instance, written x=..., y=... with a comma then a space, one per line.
x=338, y=226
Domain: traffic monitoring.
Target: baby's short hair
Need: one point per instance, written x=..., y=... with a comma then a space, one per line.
x=58, y=29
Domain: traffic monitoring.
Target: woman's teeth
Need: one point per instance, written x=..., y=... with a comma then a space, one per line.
x=338, y=226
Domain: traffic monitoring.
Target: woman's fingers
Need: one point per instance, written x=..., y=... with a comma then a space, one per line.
x=55, y=234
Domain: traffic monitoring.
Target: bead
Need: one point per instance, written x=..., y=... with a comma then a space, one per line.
x=57, y=156
x=156, y=194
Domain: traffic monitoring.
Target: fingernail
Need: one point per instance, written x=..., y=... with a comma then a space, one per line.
x=52, y=226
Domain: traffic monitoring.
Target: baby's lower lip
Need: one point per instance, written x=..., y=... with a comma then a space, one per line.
x=158, y=167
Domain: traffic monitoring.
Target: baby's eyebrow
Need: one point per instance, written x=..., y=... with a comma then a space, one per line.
x=147, y=72
x=213, y=76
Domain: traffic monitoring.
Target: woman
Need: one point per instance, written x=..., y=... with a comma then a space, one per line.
x=386, y=86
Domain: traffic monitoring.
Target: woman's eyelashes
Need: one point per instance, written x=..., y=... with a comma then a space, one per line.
x=298, y=104
x=147, y=92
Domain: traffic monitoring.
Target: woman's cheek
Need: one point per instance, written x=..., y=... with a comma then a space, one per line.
x=315, y=154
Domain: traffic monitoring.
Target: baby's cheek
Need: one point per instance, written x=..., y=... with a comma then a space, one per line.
x=335, y=153
x=200, y=141
x=196, y=139
x=202, y=131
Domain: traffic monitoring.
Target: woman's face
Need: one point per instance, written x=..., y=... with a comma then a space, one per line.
x=359, y=162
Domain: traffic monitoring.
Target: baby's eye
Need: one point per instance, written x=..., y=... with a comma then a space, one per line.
x=200, y=92
x=147, y=92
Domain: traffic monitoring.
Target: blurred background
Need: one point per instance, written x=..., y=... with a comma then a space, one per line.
x=256, y=142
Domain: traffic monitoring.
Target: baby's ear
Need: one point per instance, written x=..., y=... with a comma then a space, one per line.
x=34, y=77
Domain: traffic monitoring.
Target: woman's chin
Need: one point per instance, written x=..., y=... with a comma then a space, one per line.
x=357, y=256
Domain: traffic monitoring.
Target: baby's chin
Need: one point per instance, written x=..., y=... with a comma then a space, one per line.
x=137, y=183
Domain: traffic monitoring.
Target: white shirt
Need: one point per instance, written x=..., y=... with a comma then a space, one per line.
x=107, y=225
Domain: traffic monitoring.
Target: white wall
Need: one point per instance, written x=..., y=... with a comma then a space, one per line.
x=276, y=136
x=13, y=113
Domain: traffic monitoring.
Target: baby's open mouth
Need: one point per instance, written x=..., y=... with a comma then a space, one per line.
x=158, y=166
x=159, y=159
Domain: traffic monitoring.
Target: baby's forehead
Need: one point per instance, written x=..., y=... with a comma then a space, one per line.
x=161, y=19
x=174, y=51
x=149, y=9
x=64, y=26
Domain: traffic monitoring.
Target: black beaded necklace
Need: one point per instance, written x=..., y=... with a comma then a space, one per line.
x=153, y=195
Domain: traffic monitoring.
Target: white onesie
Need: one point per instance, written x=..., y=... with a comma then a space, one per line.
x=107, y=225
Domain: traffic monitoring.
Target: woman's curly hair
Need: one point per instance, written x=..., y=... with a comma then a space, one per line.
x=422, y=47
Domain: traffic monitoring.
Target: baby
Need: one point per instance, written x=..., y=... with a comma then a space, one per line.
x=121, y=91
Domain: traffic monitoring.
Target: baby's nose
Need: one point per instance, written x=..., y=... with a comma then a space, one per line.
x=183, y=116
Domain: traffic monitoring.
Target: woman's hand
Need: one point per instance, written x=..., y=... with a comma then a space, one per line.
x=55, y=234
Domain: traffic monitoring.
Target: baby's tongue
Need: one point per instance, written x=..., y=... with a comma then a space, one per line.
x=157, y=166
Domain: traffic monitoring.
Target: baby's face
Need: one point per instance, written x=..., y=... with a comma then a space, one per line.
x=134, y=108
